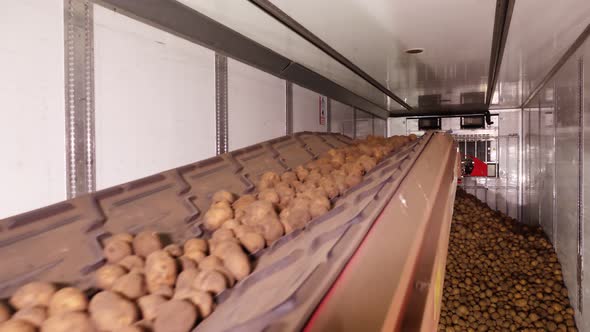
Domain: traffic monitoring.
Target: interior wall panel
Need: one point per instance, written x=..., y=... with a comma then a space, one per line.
x=306, y=110
x=364, y=124
x=341, y=118
x=396, y=126
x=32, y=139
x=155, y=99
x=256, y=105
x=380, y=126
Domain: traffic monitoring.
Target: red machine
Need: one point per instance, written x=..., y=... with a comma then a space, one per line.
x=472, y=166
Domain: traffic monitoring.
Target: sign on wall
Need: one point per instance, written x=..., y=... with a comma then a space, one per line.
x=323, y=109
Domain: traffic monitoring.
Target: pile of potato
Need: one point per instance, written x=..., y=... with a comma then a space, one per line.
x=501, y=275
x=146, y=285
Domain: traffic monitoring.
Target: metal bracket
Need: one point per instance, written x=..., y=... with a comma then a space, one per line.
x=79, y=97
x=221, y=113
x=289, y=108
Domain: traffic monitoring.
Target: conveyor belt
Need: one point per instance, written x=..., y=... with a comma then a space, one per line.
x=61, y=243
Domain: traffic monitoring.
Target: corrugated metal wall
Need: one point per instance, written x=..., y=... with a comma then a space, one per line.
x=557, y=153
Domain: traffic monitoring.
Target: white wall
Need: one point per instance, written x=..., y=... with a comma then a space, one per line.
x=256, y=105
x=380, y=127
x=306, y=110
x=155, y=99
x=341, y=118
x=396, y=126
x=32, y=114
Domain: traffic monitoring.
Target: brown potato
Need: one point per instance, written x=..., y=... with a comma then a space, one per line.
x=269, y=195
x=329, y=186
x=5, y=312
x=33, y=315
x=261, y=214
x=286, y=193
x=176, y=316
x=116, y=250
x=301, y=173
x=125, y=237
x=217, y=214
x=68, y=322
x=164, y=291
x=174, y=250
x=149, y=305
x=186, y=263
x=132, y=263
x=268, y=180
x=215, y=263
x=132, y=285
x=196, y=244
x=195, y=255
x=240, y=205
x=223, y=196
x=288, y=177
x=230, y=224
x=36, y=293
x=66, y=300
x=352, y=180
x=210, y=281
x=110, y=311
x=146, y=242
x=223, y=235
x=237, y=263
x=202, y=300
x=106, y=276
x=160, y=270
x=252, y=241
x=16, y=325
x=296, y=215
x=131, y=328
x=185, y=279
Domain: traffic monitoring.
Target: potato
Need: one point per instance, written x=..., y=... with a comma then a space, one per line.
x=185, y=278
x=241, y=203
x=106, y=275
x=16, y=325
x=116, y=250
x=174, y=250
x=352, y=180
x=223, y=196
x=296, y=215
x=195, y=255
x=269, y=195
x=288, y=177
x=186, y=263
x=132, y=285
x=210, y=281
x=318, y=206
x=367, y=163
x=313, y=178
x=176, y=316
x=301, y=173
x=149, y=305
x=146, y=242
x=132, y=263
x=215, y=263
x=268, y=180
x=125, y=237
x=329, y=186
x=286, y=193
x=202, y=300
x=33, y=315
x=160, y=270
x=252, y=241
x=66, y=300
x=68, y=322
x=243, y=229
x=5, y=312
x=261, y=214
x=237, y=263
x=164, y=291
x=196, y=244
x=110, y=311
x=36, y=293
x=230, y=224
x=217, y=214
x=222, y=235
x=131, y=328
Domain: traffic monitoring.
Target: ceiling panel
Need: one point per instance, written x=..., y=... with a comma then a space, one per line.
x=456, y=36
x=247, y=19
x=540, y=32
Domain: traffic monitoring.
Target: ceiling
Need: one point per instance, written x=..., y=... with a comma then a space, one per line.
x=456, y=36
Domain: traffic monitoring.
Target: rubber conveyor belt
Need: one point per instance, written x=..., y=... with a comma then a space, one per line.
x=61, y=243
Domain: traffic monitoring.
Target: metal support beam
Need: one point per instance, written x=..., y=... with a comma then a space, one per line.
x=184, y=22
x=221, y=115
x=299, y=29
x=581, y=250
x=562, y=60
x=501, y=25
x=289, y=108
x=79, y=97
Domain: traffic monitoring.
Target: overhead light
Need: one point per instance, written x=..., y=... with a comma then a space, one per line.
x=414, y=50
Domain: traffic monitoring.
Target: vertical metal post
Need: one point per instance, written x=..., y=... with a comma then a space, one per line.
x=221, y=116
x=554, y=210
x=329, y=115
x=354, y=122
x=580, y=258
x=289, y=108
x=79, y=97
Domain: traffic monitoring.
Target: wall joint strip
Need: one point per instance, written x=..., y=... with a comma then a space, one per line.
x=289, y=108
x=328, y=115
x=79, y=97
x=221, y=110
x=580, y=258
